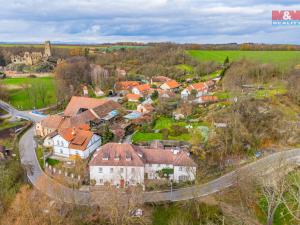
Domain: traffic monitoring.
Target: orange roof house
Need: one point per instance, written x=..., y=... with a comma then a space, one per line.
x=133, y=97
x=169, y=85
x=126, y=85
x=143, y=89
x=206, y=99
x=75, y=141
x=79, y=111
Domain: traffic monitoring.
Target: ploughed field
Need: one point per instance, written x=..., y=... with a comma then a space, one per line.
x=283, y=59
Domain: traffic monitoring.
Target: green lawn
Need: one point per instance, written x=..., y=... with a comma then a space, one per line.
x=144, y=137
x=211, y=76
x=39, y=155
x=186, y=68
x=281, y=58
x=163, y=123
x=29, y=98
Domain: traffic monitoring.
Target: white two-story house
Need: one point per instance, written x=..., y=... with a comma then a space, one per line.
x=75, y=142
x=123, y=165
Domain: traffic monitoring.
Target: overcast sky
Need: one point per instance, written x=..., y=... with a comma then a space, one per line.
x=99, y=21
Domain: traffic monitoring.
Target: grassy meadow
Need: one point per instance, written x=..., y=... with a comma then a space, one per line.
x=24, y=92
x=282, y=58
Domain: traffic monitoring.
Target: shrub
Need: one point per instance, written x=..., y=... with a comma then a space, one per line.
x=165, y=133
x=177, y=130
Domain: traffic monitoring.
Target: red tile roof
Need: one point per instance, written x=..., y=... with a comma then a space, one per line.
x=113, y=151
x=172, y=84
x=209, y=98
x=139, y=156
x=76, y=103
x=143, y=87
x=133, y=97
x=198, y=86
x=52, y=121
x=77, y=137
x=164, y=156
x=126, y=85
x=160, y=79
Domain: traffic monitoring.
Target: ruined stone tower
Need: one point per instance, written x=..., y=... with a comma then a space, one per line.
x=47, y=49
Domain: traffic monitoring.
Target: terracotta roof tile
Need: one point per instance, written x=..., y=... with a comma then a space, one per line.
x=126, y=85
x=143, y=87
x=172, y=84
x=52, y=121
x=198, y=86
x=110, y=150
x=139, y=156
x=76, y=103
x=133, y=97
x=161, y=79
x=77, y=137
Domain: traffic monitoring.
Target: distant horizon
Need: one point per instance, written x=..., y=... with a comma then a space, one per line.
x=179, y=21
x=144, y=43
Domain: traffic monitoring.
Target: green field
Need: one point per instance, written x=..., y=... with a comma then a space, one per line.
x=24, y=92
x=281, y=58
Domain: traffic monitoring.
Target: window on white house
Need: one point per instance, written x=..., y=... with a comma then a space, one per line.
x=61, y=151
x=100, y=169
x=101, y=181
x=121, y=170
x=111, y=170
x=57, y=142
x=180, y=168
x=158, y=165
x=150, y=165
x=132, y=170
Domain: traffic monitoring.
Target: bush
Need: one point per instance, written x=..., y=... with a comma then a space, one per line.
x=165, y=133
x=146, y=128
x=177, y=130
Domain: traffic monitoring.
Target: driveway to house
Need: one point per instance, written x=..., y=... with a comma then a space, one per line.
x=57, y=191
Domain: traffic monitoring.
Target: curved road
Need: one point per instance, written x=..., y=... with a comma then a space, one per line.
x=59, y=192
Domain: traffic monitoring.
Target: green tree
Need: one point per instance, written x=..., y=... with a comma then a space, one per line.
x=107, y=135
x=154, y=95
x=226, y=61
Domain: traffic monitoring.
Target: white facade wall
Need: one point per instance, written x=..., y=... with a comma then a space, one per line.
x=48, y=142
x=136, y=91
x=201, y=93
x=184, y=173
x=185, y=93
x=151, y=170
x=132, y=175
x=165, y=87
x=61, y=147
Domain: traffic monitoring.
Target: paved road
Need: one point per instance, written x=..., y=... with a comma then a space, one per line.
x=59, y=192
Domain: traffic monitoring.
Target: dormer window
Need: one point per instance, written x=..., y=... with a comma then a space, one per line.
x=105, y=156
x=117, y=157
x=128, y=156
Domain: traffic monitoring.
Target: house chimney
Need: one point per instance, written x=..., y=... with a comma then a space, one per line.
x=175, y=150
x=73, y=131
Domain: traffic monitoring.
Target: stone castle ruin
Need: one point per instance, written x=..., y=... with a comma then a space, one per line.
x=32, y=58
